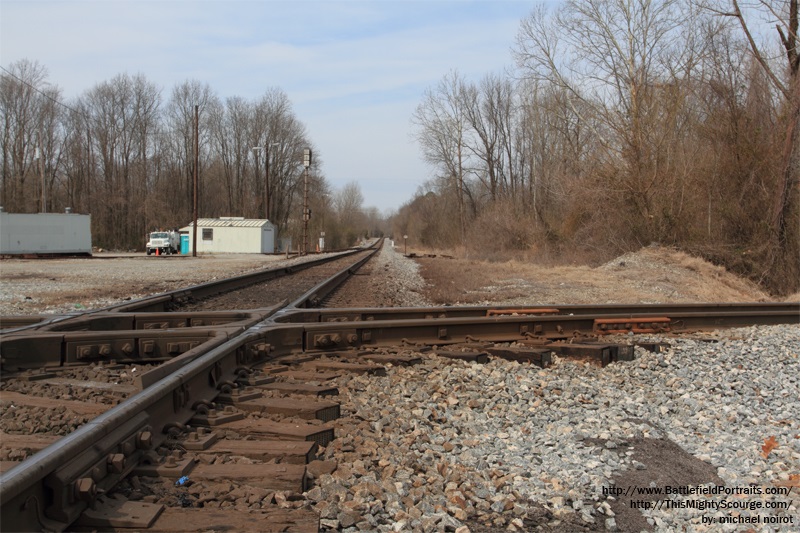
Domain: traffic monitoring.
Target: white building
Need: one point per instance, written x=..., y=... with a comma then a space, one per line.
x=235, y=235
x=45, y=233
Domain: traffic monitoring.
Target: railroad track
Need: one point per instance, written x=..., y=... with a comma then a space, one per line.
x=257, y=383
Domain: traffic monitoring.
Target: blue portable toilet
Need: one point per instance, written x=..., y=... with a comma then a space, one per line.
x=184, y=244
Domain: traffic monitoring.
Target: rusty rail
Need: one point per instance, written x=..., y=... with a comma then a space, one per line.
x=167, y=301
x=211, y=354
x=207, y=353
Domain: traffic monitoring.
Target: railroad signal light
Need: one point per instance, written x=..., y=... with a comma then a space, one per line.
x=306, y=210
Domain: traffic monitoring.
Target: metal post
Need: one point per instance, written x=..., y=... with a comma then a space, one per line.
x=306, y=214
x=266, y=181
x=405, y=244
x=265, y=149
x=257, y=150
x=41, y=172
x=196, y=161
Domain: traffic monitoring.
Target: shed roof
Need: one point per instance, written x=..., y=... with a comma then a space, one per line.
x=225, y=222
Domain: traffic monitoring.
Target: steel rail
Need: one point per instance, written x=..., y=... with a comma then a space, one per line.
x=318, y=293
x=212, y=288
x=166, y=301
x=124, y=333
x=51, y=489
x=44, y=492
x=340, y=335
x=620, y=310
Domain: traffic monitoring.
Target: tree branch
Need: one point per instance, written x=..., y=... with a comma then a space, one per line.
x=757, y=52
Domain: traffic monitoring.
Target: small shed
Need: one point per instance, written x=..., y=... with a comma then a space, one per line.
x=45, y=233
x=234, y=235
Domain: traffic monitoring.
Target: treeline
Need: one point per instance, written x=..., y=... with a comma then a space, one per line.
x=626, y=122
x=125, y=154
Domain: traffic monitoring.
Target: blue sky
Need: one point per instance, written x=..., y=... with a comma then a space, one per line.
x=355, y=70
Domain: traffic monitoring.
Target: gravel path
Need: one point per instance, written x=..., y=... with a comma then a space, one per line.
x=388, y=280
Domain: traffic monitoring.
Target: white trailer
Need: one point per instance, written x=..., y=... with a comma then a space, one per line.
x=45, y=233
x=236, y=235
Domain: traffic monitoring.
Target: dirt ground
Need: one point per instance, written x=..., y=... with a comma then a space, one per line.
x=650, y=275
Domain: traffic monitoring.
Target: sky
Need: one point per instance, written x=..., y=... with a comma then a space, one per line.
x=354, y=70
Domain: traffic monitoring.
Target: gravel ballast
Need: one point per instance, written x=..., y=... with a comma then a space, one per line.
x=454, y=446
x=444, y=445
x=388, y=280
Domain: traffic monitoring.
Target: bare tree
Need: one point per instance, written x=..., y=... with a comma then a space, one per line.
x=784, y=245
x=489, y=113
x=179, y=128
x=115, y=152
x=613, y=58
x=428, y=218
x=442, y=122
x=348, y=202
x=556, y=151
x=31, y=135
x=77, y=169
x=124, y=114
x=230, y=130
x=278, y=129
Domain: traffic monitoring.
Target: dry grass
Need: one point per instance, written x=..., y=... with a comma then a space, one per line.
x=651, y=275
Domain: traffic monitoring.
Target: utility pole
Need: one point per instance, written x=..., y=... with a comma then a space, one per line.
x=257, y=150
x=266, y=181
x=44, y=184
x=306, y=212
x=40, y=149
x=196, y=162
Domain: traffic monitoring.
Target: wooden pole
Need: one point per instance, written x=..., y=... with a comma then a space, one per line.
x=196, y=162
